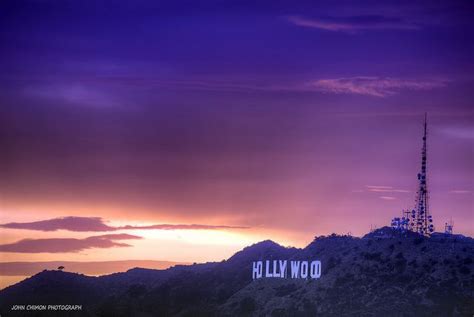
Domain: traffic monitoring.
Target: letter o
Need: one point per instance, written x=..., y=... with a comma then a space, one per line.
x=315, y=269
x=304, y=269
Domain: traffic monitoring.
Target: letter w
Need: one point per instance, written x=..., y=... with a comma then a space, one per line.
x=295, y=269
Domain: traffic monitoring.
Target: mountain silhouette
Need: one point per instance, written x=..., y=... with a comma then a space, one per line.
x=383, y=273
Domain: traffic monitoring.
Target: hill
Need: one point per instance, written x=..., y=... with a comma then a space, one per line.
x=88, y=268
x=382, y=273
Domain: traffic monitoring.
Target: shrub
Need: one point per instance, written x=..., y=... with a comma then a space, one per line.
x=400, y=265
x=247, y=305
x=427, y=267
x=376, y=256
x=285, y=290
x=464, y=270
x=136, y=290
x=418, y=240
x=279, y=312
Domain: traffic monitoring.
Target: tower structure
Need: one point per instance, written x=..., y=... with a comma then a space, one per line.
x=421, y=221
x=448, y=227
x=402, y=223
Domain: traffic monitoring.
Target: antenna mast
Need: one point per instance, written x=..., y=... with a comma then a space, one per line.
x=422, y=222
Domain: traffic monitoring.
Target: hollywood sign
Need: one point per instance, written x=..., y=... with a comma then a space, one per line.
x=280, y=268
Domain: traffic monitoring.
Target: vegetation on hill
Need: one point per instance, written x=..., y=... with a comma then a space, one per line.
x=383, y=273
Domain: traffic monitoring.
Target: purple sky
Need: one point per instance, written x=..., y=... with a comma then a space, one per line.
x=298, y=117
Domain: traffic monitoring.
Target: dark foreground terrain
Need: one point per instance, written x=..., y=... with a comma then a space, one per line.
x=381, y=274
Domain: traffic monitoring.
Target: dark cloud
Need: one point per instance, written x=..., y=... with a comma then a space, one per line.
x=182, y=227
x=374, y=86
x=82, y=224
x=63, y=245
x=79, y=224
x=354, y=24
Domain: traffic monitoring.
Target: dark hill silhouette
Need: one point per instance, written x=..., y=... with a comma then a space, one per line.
x=88, y=268
x=382, y=273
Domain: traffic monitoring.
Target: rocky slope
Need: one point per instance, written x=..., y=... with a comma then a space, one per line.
x=383, y=273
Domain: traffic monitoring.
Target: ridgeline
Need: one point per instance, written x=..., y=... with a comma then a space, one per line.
x=384, y=273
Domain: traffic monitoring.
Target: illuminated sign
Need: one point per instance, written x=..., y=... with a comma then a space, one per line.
x=286, y=269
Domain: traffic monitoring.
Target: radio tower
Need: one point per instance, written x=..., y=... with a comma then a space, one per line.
x=421, y=220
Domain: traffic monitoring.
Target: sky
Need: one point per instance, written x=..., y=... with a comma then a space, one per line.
x=186, y=130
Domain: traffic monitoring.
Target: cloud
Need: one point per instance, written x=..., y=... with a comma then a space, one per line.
x=386, y=189
x=181, y=227
x=63, y=245
x=93, y=224
x=83, y=95
x=354, y=24
x=75, y=94
x=387, y=197
x=78, y=224
x=378, y=186
x=460, y=132
x=460, y=191
x=373, y=86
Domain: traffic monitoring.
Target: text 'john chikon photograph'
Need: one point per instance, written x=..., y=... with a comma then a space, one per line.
x=223, y=158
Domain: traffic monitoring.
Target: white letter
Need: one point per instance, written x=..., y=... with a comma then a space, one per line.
x=295, y=268
x=275, y=274
x=315, y=269
x=304, y=269
x=267, y=267
x=283, y=268
x=256, y=269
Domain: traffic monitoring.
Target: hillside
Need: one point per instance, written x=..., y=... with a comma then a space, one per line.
x=382, y=273
x=88, y=268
